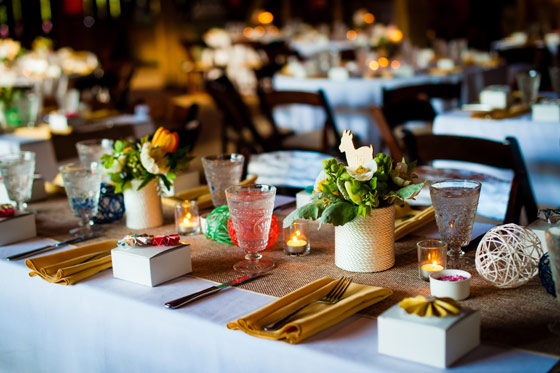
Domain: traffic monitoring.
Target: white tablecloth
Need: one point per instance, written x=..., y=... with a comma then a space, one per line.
x=539, y=142
x=105, y=324
x=350, y=98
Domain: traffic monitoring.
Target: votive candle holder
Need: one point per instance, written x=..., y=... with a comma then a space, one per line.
x=296, y=239
x=187, y=219
x=432, y=257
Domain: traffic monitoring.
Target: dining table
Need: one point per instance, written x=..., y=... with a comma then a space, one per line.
x=107, y=324
x=351, y=98
x=539, y=143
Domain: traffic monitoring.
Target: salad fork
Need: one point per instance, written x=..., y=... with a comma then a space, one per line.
x=332, y=297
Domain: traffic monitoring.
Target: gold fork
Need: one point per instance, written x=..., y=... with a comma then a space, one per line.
x=332, y=297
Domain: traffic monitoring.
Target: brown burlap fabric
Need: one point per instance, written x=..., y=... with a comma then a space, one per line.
x=512, y=317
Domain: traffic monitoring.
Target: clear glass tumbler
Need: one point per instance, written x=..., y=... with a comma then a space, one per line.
x=17, y=170
x=221, y=172
x=528, y=84
x=82, y=184
x=91, y=150
x=455, y=203
x=250, y=208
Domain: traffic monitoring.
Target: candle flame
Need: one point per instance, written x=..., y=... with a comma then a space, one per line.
x=298, y=233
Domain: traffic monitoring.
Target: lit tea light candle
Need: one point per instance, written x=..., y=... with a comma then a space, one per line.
x=432, y=257
x=186, y=218
x=429, y=268
x=296, y=241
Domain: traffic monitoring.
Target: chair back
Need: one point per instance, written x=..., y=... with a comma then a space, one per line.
x=184, y=121
x=409, y=103
x=330, y=137
x=505, y=155
x=238, y=127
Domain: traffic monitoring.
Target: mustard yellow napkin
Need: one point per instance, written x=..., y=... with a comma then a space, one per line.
x=408, y=220
x=313, y=318
x=70, y=266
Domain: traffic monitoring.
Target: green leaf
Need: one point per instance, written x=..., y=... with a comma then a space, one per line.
x=311, y=211
x=146, y=181
x=409, y=191
x=119, y=146
x=339, y=213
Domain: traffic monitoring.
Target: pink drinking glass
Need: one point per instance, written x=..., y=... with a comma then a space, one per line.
x=250, y=208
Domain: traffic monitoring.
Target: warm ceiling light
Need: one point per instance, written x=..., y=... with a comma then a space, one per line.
x=265, y=18
x=351, y=35
x=259, y=30
x=369, y=18
x=395, y=64
x=395, y=36
x=247, y=32
x=374, y=65
x=383, y=62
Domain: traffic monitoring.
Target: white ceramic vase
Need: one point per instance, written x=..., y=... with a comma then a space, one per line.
x=367, y=244
x=143, y=207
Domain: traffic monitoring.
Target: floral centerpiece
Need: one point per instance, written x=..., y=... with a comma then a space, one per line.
x=358, y=198
x=146, y=160
x=136, y=167
x=349, y=191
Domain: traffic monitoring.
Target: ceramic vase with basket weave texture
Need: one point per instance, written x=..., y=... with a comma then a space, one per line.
x=143, y=207
x=367, y=244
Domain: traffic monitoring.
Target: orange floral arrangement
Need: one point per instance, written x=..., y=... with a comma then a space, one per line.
x=146, y=160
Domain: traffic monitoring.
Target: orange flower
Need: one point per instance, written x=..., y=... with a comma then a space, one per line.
x=165, y=140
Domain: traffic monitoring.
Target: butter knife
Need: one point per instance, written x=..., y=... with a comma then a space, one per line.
x=180, y=302
x=47, y=248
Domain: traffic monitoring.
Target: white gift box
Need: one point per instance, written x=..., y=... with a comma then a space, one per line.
x=546, y=112
x=496, y=96
x=436, y=341
x=151, y=265
x=17, y=228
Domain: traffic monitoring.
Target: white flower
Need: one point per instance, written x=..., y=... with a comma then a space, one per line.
x=363, y=172
x=117, y=165
x=152, y=165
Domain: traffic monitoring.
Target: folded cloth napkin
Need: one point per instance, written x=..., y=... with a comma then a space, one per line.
x=408, y=220
x=70, y=266
x=313, y=318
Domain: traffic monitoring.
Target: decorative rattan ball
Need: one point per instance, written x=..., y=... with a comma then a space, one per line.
x=545, y=274
x=273, y=233
x=508, y=255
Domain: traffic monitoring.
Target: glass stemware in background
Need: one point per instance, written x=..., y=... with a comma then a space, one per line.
x=91, y=151
x=553, y=243
x=82, y=184
x=17, y=170
x=528, y=84
x=455, y=203
x=221, y=172
x=250, y=208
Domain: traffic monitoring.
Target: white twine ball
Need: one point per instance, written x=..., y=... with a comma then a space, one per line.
x=508, y=255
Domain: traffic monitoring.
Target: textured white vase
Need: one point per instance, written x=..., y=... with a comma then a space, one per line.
x=143, y=207
x=368, y=243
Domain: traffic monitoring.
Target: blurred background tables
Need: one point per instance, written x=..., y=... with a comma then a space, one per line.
x=539, y=142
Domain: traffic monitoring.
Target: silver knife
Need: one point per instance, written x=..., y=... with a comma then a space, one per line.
x=180, y=302
x=47, y=248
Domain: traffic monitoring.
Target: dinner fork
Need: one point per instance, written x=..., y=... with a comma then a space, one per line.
x=332, y=297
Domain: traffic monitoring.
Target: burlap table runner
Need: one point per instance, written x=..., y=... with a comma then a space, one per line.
x=512, y=317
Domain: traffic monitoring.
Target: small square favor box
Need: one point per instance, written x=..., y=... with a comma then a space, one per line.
x=17, y=228
x=151, y=265
x=436, y=341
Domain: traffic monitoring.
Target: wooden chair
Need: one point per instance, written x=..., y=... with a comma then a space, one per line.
x=409, y=103
x=184, y=121
x=505, y=155
x=324, y=140
x=238, y=128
